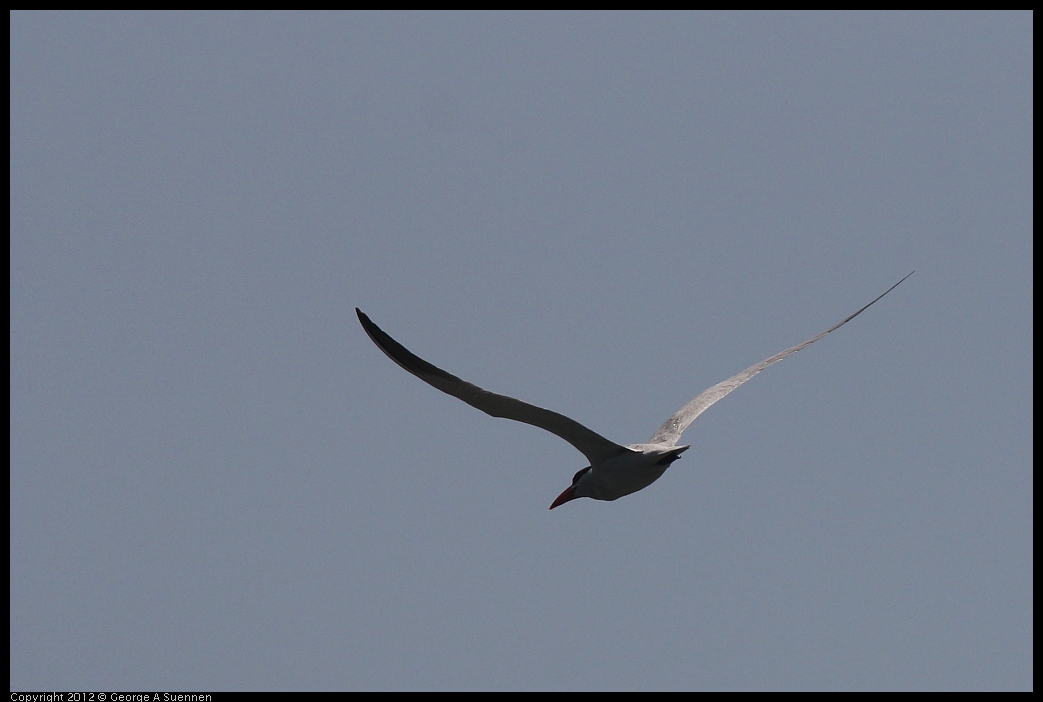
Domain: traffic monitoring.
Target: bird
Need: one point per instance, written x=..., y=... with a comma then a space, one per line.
x=615, y=470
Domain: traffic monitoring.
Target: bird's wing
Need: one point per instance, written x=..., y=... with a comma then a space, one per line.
x=592, y=445
x=670, y=432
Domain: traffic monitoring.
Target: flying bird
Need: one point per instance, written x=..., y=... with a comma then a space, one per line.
x=614, y=470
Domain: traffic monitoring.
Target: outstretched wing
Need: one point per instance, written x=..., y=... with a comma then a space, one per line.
x=592, y=445
x=672, y=429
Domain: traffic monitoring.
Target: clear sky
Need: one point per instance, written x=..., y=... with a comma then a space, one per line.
x=218, y=482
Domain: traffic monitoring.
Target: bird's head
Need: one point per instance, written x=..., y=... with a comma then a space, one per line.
x=577, y=489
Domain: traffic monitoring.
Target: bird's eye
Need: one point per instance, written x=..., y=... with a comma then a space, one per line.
x=579, y=474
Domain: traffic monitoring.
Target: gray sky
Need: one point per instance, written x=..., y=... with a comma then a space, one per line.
x=218, y=482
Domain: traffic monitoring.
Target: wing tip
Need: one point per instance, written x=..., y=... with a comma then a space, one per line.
x=372, y=330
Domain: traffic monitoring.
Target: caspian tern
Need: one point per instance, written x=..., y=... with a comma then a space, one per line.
x=614, y=470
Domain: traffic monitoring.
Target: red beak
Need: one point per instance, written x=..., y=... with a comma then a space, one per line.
x=569, y=494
